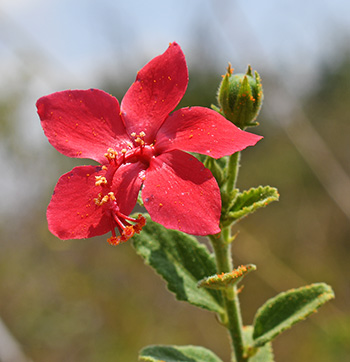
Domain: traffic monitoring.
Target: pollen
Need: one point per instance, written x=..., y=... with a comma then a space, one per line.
x=111, y=195
x=100, y=180
x=111, y=154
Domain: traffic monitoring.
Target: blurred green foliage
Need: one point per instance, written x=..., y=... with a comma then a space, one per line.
x=84, y=300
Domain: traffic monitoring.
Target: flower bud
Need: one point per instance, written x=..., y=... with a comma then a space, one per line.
x=240, y=97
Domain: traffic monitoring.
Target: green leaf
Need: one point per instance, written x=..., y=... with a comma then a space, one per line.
x=222, y=281
x=288, y=308
x=177, y=354
x=247, y=202
x=261, y=354
x=182, y=261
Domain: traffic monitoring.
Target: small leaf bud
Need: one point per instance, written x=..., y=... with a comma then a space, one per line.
x=240, y=97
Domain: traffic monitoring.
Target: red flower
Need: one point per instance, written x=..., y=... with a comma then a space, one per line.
x=138, y=145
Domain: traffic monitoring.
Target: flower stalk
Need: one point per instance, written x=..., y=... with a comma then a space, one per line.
x=222, y=250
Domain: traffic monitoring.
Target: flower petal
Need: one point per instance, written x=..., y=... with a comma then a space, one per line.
x=82, y=123
x=126, y=185
x=180, y=193
x=72, y=212
x=158, y=89
x=202, y=130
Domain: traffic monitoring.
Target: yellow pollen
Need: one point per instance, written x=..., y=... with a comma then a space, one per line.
x=133, y=134
x=104, y=167
x=123, y=151
x=139, y=141
x=111, y=153
x=100, y=180
x=142, y=134
x=102, y=200
x=111, y=195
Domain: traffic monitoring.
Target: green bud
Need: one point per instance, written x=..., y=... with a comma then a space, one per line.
x=240, y=97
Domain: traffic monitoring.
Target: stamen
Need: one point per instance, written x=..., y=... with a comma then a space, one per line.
x=111, y=154
x=128, y=231
x=100, y=180
x=111, y=195
x=99, y=201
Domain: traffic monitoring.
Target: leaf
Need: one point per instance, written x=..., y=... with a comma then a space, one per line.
x=222, y=281
x=181, y=260
x=261, y=354
x=247, y=202
x=286, y=309
x=177, y=354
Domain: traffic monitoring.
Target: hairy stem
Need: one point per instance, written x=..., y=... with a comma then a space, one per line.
x=222, y=249
x=233, y=168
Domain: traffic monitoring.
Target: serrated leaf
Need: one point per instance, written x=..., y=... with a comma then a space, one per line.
x=177, y=354
x=182, y=261
x=247, y=202
x=286, y=309
x=261, y=354
x=222, y=281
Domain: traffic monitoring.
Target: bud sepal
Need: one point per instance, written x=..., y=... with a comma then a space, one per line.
x=240, y=97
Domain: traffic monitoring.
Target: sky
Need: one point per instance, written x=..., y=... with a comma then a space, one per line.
x=51, y=45
x=81, y=38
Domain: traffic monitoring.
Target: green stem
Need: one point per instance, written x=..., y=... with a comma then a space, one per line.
x=222, y=249
x=233, y=167
x=224, y=263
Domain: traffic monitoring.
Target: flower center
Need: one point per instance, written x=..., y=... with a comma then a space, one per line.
x=138, y=151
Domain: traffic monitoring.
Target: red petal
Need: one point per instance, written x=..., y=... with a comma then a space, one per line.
x=158, y=89
x=202, y=130
x=180, y=193
x=72, y=212
x=126, y=185
x=82, y=123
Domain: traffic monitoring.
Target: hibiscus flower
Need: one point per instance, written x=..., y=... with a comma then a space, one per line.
x=139, y=145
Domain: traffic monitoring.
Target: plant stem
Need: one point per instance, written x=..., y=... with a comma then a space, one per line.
x=233, y=167
x=224, y=263
x=222, y=249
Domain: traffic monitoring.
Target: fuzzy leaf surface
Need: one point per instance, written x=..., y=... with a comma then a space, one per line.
x=182, y=261
x=263, y=354
x=286, y=309
x=177, y=354
x=249, y=201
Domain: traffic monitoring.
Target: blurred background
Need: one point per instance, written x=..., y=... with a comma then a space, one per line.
x=84, y=300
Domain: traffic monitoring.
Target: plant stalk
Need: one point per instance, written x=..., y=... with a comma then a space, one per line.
x=233, y=168
x=222, y=249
